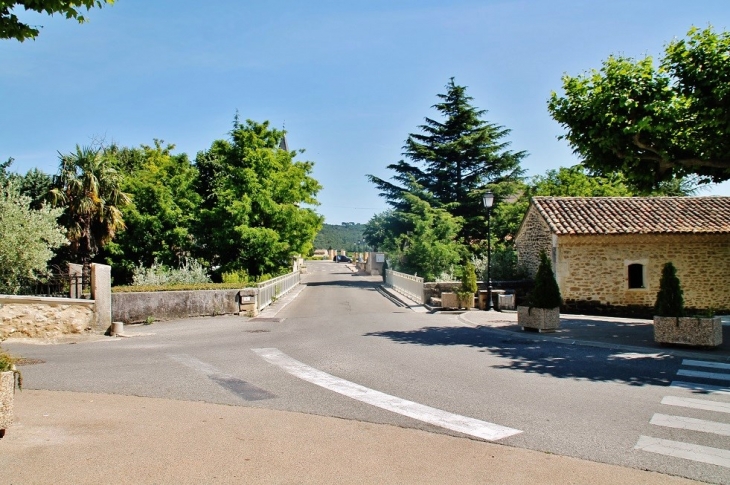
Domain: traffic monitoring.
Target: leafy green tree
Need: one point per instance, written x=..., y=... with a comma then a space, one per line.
x=88, y=187
x=456, y=160
x=12, y=28
x=252, y=188
x=653, y=124
x=29, y=237
x=164, y=207
x=426, y=243
x=382, y=228
x=36, y=185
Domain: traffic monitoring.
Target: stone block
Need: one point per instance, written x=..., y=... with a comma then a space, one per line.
x=7, y=391
x=101, y=293
x=541, y=319
x=449, y=300
x=695, y=331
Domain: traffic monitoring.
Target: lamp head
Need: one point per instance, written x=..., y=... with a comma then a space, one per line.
x=488, y=199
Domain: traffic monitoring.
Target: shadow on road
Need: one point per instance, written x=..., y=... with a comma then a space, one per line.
x=550, y=358
x=365, y=285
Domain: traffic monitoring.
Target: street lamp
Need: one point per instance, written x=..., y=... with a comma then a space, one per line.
x=488, y=200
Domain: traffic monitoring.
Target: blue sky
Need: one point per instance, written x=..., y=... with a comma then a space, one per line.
x=349, y=80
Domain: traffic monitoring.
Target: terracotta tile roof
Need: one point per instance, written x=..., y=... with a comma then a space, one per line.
x=635, y=215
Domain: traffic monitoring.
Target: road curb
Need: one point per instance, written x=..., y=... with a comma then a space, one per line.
x=589, y=343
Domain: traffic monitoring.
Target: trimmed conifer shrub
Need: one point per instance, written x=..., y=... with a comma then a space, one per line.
x=469, y=278
x=468, y=284
x=545, y=293
x=669, y=298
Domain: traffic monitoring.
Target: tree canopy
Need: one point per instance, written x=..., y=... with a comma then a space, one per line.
x=455, y=160
x=251, y=217
x=12, y=28
x=29, y=237
x=88, y=187
x=345, y=236
x=164, y=207
x=653, y=123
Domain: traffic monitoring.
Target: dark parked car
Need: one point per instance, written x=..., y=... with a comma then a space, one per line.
x=343, y=259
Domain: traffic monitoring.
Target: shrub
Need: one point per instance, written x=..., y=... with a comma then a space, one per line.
x=669, y=298
x=190, y=272
x=28, y=238
x=468, y=284
x=545, y=293
x=505, y=266
x=7, y=363
x=177, y=287
x=239, y=276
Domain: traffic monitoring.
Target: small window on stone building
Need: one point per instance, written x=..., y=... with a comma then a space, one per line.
x=636, y=276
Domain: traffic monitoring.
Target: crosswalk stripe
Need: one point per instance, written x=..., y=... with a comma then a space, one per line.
x=702, y=363
x=693, y=424
x=427, y=414
x=705, y=375
x=686, y=402
x=701, y=387
x=689, y=451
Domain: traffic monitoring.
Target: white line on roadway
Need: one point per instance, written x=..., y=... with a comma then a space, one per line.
x=702, y=363
x=678, y=449
x=427, y=414
x=692, y=424
x=701, y=387
x=196, y=364
x=706, y=375
x=686, y=402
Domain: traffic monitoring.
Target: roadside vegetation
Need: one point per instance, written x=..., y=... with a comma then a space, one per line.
x=238, y=211
x=235, y=214
x=639, y=129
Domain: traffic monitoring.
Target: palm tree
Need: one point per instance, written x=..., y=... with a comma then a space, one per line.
x=89, y=188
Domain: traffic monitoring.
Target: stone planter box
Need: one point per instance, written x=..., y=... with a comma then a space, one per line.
x=451, y=300
x=697, y=331
x=542, y=319
x=7, y=390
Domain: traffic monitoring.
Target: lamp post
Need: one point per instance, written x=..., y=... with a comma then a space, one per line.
x=488, y=200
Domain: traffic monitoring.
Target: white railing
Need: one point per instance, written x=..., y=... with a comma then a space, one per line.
x=272, y=289
x=405, y=284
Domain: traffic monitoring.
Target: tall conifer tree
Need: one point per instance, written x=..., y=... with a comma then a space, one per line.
x=456, y=160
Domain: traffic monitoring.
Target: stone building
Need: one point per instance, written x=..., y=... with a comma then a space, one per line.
x=608, y=252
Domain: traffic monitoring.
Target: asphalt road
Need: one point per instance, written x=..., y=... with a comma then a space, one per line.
x=342, y=349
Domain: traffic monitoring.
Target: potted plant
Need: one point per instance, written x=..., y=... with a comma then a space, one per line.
x=10, y=377
x=468, y=286
x=671, y=326
x=542, y=311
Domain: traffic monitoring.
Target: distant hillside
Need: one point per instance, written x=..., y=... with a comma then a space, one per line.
x=344, y=236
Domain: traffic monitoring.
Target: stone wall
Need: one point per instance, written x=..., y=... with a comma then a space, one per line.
x=533, y=237
x=593, y=269
x=166, y=305
x=42, y=317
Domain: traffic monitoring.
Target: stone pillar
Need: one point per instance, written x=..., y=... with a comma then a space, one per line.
x=74, y=272
x=247, y=305
x=101, y=293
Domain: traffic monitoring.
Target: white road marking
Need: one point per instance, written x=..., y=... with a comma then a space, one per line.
x=702, y=363
x=462, y=424
x=693, y=424
x=705, y=375
x=703, y=454
x=701, y=387
x=686, y=402
x=198, y=365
